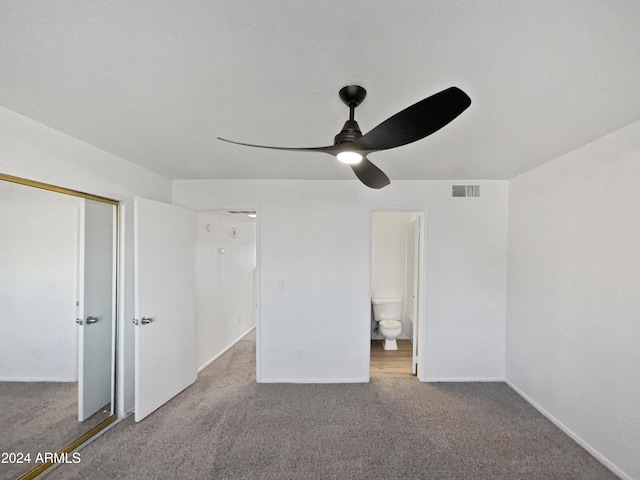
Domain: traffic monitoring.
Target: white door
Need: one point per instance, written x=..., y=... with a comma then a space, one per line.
x=165, y=331
x=413, y=269
x=96, y=307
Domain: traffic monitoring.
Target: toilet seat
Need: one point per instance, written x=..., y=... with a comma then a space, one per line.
x=391, y=324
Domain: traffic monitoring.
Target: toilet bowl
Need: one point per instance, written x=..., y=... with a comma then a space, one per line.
x=390, y=330
x=387, y=312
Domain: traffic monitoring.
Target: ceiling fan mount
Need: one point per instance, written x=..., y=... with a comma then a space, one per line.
x=407, y=126
x=352, y=95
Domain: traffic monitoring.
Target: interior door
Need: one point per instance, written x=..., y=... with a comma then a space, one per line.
x=413, y=268
x=96, y=307
x=165, y=326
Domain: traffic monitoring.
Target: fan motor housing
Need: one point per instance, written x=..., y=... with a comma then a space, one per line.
x=349, y=133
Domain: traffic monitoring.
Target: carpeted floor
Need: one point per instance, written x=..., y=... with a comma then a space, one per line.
x=38, y=417
x=226, y=426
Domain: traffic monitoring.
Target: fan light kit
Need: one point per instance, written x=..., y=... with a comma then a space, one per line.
x=350, y=158
x=413, y=123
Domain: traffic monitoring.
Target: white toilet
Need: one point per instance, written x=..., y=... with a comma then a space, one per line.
x=387, y=312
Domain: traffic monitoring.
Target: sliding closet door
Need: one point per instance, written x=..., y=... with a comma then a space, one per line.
x=96, y=307
x=165, y=358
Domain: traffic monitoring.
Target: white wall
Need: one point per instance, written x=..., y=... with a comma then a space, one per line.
x=315, y=254
x=31, y=150
x=389, y=260
x=225, y=283
x=38, y=284
x=573, y=331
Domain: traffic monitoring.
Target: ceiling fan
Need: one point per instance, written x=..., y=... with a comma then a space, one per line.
x=409, y=125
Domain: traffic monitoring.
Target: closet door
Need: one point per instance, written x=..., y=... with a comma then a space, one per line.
x=165, y=326
x=96, y=307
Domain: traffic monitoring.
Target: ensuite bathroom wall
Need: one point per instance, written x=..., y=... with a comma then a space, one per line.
x=389, y=262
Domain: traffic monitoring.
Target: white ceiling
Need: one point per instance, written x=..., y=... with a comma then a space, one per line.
x=156, y=82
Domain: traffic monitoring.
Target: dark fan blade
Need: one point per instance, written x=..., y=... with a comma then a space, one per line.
x=330, y=149
x=415, y=122
x=369, y=174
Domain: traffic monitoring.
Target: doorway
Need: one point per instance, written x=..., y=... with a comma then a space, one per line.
x=396, y=277
x=208, y=261
x=226, y=279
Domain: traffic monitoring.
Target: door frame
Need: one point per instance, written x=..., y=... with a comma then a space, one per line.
x=256, y=280
x=257, y=283
x=422, y=285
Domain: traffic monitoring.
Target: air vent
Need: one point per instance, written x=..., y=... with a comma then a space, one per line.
x=465, y=190
x=238, y=212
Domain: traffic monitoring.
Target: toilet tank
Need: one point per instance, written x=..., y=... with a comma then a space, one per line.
x=387, y=309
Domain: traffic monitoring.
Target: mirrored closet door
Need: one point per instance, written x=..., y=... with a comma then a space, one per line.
x=58, y=271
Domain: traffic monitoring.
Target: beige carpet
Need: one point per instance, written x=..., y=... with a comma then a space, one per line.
x=226, y=426
x=38, y=417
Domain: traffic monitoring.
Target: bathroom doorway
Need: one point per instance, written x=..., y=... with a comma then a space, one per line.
x=396, y=277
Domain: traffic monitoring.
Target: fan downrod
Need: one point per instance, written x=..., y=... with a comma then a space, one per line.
x=352, y=96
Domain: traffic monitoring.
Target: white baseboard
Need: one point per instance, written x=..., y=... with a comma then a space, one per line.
x=601, y=458
x=314, y=380
x=38, y=379
x=215, y=357
x=466, y=379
